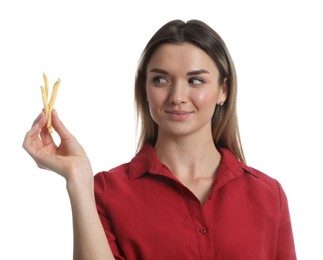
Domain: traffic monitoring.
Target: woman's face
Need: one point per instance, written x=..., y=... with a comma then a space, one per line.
x=183, y=90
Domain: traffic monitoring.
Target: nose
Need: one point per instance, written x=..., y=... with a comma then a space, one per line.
x=178, y=93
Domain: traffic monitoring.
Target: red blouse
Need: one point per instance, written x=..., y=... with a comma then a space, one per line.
x=148, y=214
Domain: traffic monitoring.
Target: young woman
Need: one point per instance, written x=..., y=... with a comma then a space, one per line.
x=187, y=194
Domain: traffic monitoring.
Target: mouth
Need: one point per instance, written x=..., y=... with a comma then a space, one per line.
x=178, y=115
x=177, y=112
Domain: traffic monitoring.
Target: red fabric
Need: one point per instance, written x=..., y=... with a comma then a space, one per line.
x=148, y=214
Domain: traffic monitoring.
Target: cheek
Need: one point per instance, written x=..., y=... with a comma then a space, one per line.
x=154, y=100
x=154, y=106
x=205, y=99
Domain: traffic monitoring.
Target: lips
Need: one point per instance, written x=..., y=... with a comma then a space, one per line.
x=177, y=112
x=178, y=115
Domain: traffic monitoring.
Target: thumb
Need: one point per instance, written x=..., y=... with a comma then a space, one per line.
x=59, y=126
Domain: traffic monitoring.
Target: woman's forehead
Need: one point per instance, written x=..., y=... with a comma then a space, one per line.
x=185, y=56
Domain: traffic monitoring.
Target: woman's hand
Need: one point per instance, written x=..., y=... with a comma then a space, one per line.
x=67, y=159
x=70, y=160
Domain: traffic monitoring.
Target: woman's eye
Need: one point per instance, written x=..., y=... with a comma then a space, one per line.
x=158, y=80
x=195, y=81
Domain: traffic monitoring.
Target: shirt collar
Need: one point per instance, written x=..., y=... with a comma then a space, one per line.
x=146, y=160
x=231, y=163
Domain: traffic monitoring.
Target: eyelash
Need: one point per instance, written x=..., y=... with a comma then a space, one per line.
x=191, y=80
x=156, y=80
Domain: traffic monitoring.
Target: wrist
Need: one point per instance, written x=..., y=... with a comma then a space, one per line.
x=80, y=184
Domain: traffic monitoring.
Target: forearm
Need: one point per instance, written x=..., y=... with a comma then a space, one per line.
x=90, y=242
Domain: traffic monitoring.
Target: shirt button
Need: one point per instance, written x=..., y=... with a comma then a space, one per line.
x=203, y=230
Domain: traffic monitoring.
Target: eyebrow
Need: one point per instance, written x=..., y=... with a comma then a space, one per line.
x=194, y=72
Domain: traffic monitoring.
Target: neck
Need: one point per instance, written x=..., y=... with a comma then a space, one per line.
x=188, y=158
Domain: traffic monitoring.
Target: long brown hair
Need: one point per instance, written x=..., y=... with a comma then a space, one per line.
x=225, y=128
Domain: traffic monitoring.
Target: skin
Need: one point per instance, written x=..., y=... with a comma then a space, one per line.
x=183, y=90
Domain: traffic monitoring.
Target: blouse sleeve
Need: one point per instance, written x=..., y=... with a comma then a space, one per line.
x=99, y=191
x=285, y=242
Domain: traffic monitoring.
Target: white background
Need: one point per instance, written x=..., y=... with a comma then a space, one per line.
x=94, y=46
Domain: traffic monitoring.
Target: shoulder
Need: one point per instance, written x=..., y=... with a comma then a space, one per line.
x=239, y=168
x=259, y=175
x=144, y=161
x=255, y=179
x=118, y=172
x=111, y=181
x=263, y=182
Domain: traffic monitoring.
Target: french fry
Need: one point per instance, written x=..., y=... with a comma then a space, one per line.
x=44, y=97
x=46, y=85
x=51, y=104
x=48, y=106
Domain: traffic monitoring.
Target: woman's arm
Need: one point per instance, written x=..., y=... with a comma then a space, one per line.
x=70, y=161
x=285, y=249
x=90, y=241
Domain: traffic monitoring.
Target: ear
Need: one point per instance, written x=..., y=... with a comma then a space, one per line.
x=223, y=94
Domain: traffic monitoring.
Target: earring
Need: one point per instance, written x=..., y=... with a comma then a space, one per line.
x=221, y=104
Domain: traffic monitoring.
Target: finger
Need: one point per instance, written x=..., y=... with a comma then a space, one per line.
x=37, y=125
x=45, y=136
x=32, y=136
x=59, y=126
x=39, y=117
